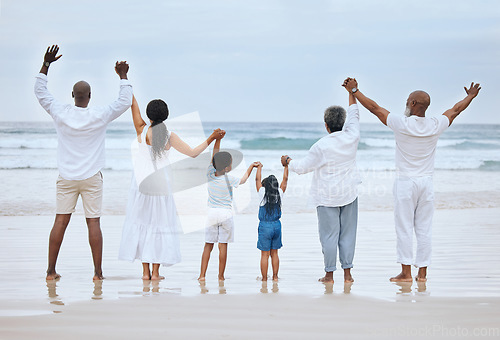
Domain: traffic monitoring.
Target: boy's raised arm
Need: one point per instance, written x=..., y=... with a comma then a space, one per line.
x=248, y=172
x=217, y=142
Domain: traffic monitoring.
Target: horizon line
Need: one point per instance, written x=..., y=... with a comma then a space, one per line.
x=234, y=121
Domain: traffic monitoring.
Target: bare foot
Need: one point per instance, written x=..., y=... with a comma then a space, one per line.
x=422, y=274
x=275, y=278
x=146, y=277
x=201, y=279
x=347, y=276
x=157, y=278
x=52, y=276
x=221, y=278
x=401, y=278
x=264, y=278
x=328, y=278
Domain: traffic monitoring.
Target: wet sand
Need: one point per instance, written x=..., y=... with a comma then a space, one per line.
x=462, y=291
x=271, y=316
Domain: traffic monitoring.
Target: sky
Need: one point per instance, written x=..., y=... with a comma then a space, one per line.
x=261, y=60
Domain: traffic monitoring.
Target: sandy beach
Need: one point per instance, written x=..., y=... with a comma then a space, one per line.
x=461, y=297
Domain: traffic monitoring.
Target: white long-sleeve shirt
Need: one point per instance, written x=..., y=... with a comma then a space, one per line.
x=333, y=160
x=81, y=131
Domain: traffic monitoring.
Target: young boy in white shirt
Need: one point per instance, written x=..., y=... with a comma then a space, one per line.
x=220, y=226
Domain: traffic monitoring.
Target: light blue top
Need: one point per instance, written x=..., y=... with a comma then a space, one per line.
x=220, y=189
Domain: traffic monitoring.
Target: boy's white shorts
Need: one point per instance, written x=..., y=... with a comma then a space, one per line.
x=220, y=226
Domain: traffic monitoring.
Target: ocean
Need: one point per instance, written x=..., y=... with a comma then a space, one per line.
x=467, y=165
x=33, y=145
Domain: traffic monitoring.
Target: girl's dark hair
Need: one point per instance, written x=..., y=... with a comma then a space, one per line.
x=271, y=195
x=157, y=112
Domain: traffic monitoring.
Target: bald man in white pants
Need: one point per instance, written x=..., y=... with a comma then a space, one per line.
x=416, y=137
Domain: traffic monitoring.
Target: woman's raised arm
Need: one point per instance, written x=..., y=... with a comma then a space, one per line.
x=181, y=146
x=139, y=123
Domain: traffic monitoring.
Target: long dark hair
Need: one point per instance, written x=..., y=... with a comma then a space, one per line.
x=157, y=112
x=271, y=195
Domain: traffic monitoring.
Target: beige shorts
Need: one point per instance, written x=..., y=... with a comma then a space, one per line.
x=90, y=189
x=220, y=226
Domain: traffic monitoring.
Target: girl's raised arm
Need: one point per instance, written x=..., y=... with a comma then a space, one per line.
x=258, y=177
x=284, y=182
x=185, y=149
x=139, y=123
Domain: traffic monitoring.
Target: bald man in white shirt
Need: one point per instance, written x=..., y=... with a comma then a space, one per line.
x=416, y=138
x=80, y=156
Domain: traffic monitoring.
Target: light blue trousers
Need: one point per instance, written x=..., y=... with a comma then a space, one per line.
x=338, y=226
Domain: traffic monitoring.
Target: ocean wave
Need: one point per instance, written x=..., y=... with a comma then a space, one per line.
x=490, y=166
x=468, y=145
x=379, y=143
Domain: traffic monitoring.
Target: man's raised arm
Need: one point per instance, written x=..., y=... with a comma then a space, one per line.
x=352, y=86
x=124, y=100
x=43, y=95
x=472, y=92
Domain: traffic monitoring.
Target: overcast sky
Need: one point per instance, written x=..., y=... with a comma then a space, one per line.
x=254, y=60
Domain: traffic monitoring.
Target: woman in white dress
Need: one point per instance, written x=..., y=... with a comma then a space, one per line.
x=151, y=229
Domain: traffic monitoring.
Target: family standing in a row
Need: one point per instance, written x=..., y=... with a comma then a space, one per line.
x=151, y=229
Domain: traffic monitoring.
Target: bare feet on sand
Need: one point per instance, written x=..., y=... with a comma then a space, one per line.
x=221, y=278
x=157, y=277
x=98, y=277
x=328, y=278
x=201, y=279
x=275, y=278
x=401, y=278
x=347, y=276
x=52, y=276
x=146, y=277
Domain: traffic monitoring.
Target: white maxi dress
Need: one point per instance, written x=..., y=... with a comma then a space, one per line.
x=151, y=228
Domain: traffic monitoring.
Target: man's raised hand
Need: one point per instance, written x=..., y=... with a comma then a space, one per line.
x=121, y=69
x=51, y=54
x=345, y=81
x=473, y=90
x=350, y=83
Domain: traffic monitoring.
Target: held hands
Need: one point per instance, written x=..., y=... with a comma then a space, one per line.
x=349, y=84
x=121, y=69
x=218, y=134
x=285, y=160
x=473, y=90
x=51, y=54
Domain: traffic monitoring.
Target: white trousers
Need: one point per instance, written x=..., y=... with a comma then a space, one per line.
x=413, y=212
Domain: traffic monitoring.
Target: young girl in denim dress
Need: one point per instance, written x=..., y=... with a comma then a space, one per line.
x=270, y=193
